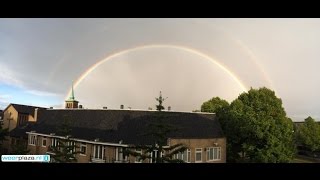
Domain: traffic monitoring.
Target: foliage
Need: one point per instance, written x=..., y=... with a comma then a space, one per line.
x=309, y=134
x=159, y=107
x=20, y=148
x=257, y=128
x=66, y=150
x=159, y=132
x=214, y=105
x=3, y=134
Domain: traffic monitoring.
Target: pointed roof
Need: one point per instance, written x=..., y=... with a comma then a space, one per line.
x=24, y=109
x=71, y=98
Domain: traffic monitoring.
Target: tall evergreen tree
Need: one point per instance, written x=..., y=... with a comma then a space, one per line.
x=159, y=132
x=66, y=149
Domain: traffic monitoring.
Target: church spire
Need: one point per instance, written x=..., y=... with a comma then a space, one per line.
x=72, y=94
x=71, y=102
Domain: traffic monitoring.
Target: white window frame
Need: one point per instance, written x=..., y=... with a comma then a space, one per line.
x=83, y=145
x=185, y=156
x=44, y=139
x=151, y=155
x=136, y=158
x=32, y=140
x=120, y=155
x=197, y=150
x=215, y=156
x=72, y=143
x=54, y=142
x=94, y=151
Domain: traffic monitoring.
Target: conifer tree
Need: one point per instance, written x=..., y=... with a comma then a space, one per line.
x=159, y=132
x=66, y=149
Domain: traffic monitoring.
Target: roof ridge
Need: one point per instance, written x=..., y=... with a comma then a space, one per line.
x=139, y=110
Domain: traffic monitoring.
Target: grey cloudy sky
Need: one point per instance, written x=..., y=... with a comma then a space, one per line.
x=40, y=58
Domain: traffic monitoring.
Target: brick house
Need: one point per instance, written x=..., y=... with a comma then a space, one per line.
x=101, y=134
x=17, y=115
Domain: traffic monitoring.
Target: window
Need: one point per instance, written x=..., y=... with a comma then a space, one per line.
x=22, y=119
x=185, y=156
x=98, y=151
x=71, y=143
x=54, y=142
x=153, y=156
x=120, y=156
x=44, y=142
x=198, y=155
x=32, y=140
x=138, y=160
x=213, y=153
x=83, y=149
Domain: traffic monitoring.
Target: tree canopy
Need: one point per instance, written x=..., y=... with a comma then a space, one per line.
x=3, y=134
x=214, y=105
x=309, y=134
x=257, y=128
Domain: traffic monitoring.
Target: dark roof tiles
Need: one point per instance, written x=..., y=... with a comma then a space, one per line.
x=127, y=125
x=25, y=109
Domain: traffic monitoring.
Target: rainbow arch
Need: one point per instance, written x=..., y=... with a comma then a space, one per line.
x=187, y=49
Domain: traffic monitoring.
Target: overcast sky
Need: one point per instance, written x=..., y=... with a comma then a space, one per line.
x=189, y=60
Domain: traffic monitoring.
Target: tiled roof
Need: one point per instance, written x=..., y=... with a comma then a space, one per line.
x=25, y=109
x=126, y=125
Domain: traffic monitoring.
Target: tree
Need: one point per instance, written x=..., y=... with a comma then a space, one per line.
x=159, y=107
x=159, y=132
x=214, y=105
x=3, y=134
x=309, y=134
x=257, y=128
x=20, y=148
x=65, y=150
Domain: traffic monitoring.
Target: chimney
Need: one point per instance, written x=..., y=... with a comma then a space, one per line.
x=80, y=106
x=121, y=106
x=36, y=114
x=105, y=107
x=169, y=108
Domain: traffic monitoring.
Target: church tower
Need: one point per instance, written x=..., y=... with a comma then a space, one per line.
x=71, y=102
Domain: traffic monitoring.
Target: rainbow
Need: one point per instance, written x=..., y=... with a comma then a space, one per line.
x=253, y=58
x=187, y=49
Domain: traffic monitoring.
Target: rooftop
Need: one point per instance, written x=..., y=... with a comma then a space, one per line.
x=126, y=125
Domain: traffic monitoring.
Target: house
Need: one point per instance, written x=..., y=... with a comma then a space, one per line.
x=1, y=117
x=102, y=134
x=17, y=115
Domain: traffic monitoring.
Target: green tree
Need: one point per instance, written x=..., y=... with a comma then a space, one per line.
x=214, y=105
x=257, y=128
x=66, y=149
x=309, y=134
x=160, y=99
x=159, y=132
x=3, y=134
x=20, y=148
x=156, y=151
